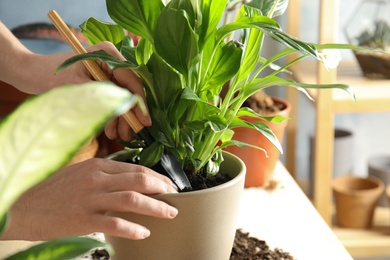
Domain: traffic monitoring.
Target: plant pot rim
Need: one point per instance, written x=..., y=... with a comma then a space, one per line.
x=341, y=184
x=204, y=191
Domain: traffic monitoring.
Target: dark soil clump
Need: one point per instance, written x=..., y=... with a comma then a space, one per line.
x=100, y=254
x=250, y=248
x=263, y=104
x=200, y=181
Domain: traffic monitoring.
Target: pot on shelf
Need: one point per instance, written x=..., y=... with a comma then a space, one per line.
x=260, y=168
x=204, y=228
x=369, y=26
x=356, y=199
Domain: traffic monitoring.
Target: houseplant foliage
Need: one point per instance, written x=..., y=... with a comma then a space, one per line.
x=41, y=136
x=184, y=59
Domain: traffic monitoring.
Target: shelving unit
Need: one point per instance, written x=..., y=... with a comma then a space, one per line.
x=371, y=95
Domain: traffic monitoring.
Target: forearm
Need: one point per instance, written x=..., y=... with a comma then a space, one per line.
x=13, y=56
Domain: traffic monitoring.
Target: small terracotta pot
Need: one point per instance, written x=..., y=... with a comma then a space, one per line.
x=260, y=169
x=356, y=199
x=204, y=228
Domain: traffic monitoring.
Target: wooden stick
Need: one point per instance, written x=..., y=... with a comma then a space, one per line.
x=93, y=68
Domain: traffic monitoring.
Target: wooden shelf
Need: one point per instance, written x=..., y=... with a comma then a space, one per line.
x=371, y=95
x=373, y=242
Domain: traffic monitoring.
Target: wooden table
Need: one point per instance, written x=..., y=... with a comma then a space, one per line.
x=285, y=218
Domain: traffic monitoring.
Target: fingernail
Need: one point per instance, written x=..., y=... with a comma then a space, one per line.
x=173, y=212
x=144, y=233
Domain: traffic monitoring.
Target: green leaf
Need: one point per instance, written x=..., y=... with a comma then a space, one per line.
x=151, y=154
x=270, y=8
x=241, y=145
x=143, y=51
x=128, y=51
x=111, y=61
x=47, y=130
x=3, y=222
x=166, y=83
x=175, y=39
x=136, y=16
x=212, y=167
x=253, y=43
x=225, y=64
x=101, y=55
x=96, y=31
x=217, y=123
x=59, y=249
x=261, y=127
x=272, y=29
x=246, y=111
x=212, y=12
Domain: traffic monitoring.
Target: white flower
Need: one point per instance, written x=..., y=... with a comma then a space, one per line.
x=330, y=57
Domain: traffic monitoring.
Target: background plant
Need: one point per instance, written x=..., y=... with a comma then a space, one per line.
x=185, y=58
x=41, y=136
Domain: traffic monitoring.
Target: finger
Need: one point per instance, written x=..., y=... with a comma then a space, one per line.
x=124, y=130
x=139, y=182
x=118, y=227
x=115, y=167
x=110, y=129
x=125, y=78
x=130, y=201
x=130, y=80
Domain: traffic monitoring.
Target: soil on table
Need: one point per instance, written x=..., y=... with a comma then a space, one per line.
x=251, y=248
x=245, y=247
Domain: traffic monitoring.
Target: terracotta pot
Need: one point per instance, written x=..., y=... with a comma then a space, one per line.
x=259, y=168
x=356, y=199
x=204, y=228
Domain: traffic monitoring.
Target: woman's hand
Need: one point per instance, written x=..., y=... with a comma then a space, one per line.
x=75, y=201
x=46, y=65
x=34, y=73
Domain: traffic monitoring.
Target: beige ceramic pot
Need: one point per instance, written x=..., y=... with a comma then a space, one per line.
x=204, y=228
x=356, y=199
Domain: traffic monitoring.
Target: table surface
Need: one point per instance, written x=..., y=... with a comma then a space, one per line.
x=285, y=218
x=282, y=216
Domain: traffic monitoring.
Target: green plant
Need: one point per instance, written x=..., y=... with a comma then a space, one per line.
x=185, y=59
x=377, y=38
x=41, y=136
